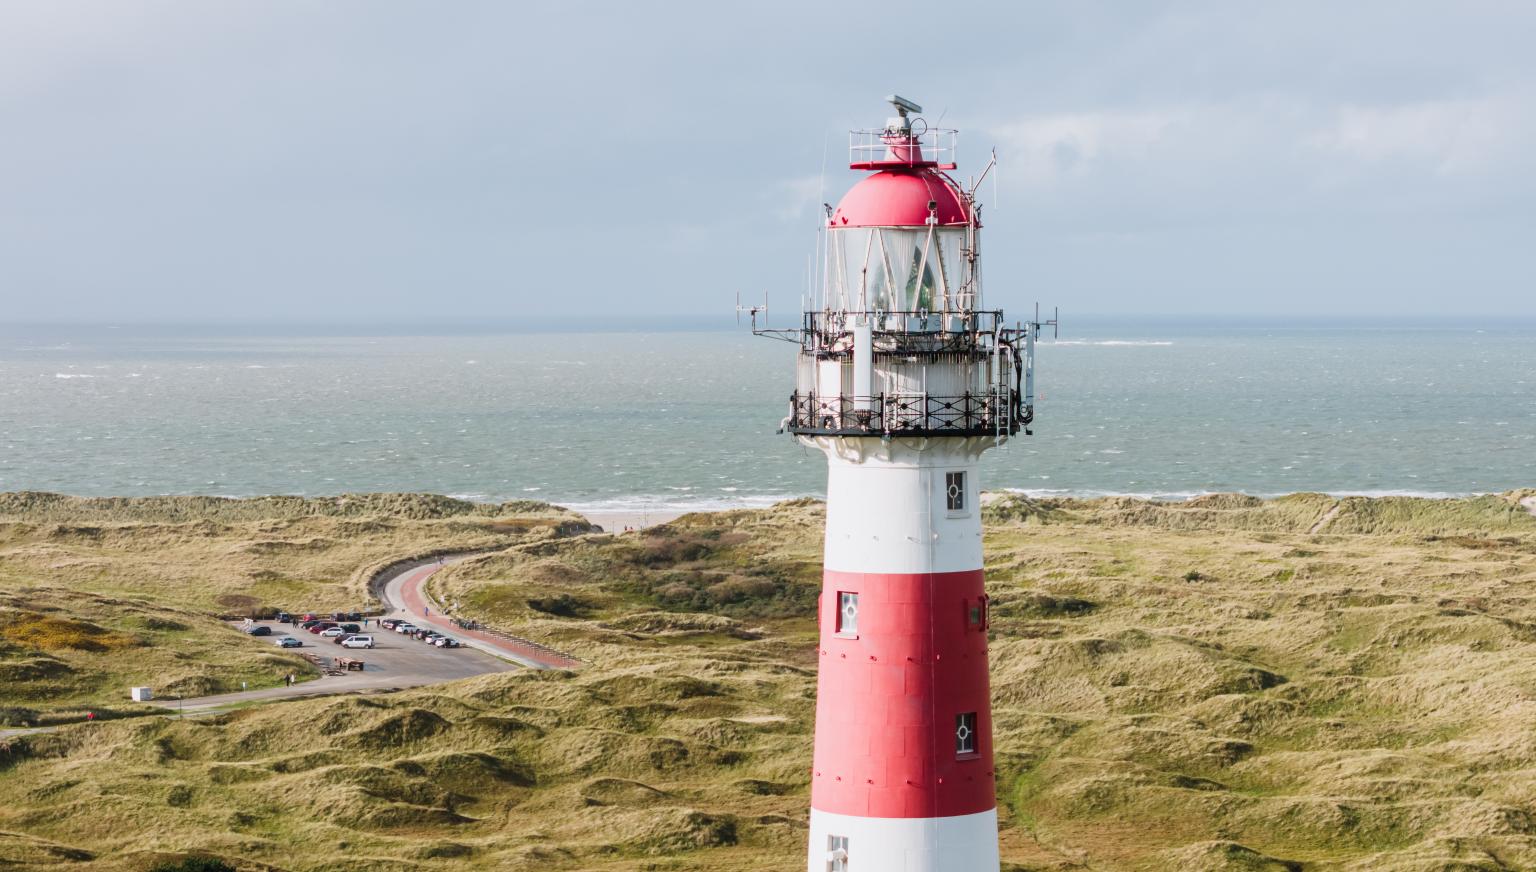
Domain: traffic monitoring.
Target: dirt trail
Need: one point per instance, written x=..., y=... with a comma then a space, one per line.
x=1327, y=518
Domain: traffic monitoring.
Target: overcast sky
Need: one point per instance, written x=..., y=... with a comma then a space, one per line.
x=441, y=161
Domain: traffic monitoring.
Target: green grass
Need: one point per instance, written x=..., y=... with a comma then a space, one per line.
x=1351, y=700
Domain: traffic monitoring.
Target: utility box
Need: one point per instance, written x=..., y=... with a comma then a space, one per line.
x=141, y=694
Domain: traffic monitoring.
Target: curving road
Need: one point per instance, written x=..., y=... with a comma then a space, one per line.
x=395, y=663
x=404, y=593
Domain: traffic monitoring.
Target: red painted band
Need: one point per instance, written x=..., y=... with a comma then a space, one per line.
x=887, y=700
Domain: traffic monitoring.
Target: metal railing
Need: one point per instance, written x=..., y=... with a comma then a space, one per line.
x=990, y=414
x=906, y=331
x=877, y=147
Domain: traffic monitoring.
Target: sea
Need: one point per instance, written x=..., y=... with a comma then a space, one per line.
x=641, y=417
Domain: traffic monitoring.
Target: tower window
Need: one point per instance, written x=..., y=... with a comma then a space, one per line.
x=976, y=613
x=965, y=734
x=847, y=613
x=954, y=491
x=837, y=854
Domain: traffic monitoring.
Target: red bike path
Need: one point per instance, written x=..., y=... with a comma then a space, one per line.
x=412, y=601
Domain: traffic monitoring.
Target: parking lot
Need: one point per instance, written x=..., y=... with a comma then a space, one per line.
x=395, y=661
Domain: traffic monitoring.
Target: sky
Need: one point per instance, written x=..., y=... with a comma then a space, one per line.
x=428, y=162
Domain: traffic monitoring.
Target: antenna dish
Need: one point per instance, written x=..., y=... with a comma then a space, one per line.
x=903, y=105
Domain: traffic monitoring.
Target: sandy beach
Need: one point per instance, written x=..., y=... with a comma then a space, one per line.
x=616, y=522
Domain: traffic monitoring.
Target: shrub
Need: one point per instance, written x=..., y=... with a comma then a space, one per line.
x=561, y=606
x=15, y=716
x=193, y=864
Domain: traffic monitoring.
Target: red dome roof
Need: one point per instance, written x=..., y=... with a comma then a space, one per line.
x=896, y=198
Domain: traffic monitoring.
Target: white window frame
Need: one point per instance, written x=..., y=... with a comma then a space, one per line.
x=839, y=626
x=966, y=727
x=964, y=497
x=837, y=853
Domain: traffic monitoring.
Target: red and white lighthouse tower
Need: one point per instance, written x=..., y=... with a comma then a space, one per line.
x=903, y=381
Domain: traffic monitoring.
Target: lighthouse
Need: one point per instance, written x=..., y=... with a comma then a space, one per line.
x=903, y=380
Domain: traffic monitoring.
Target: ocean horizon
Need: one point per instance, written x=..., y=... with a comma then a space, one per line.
x=684, y=418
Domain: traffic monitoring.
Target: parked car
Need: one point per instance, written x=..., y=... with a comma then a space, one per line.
x=389, y=623
x=259, y=630
x=431, y=637
x=357, y=642
x=331, y=632
x=320, y=626
x=354, y=616
x=289, y=642
x=307, y=623
x=284, y=618
x=405, y=628
x=342, y=637
x=445, y=642
x=352, y=628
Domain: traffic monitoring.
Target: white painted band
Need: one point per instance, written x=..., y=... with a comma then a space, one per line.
x=963, y=843
x=888, y=510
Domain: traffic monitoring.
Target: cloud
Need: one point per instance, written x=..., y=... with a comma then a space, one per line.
x=1478, y=135
x=1269, y=154
x=1053, y=148
x=797, y=198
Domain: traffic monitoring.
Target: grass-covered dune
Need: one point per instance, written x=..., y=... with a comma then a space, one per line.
x=100, y=594
x=1222, y=684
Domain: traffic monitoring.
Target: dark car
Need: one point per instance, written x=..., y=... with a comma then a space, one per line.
x=321, y=626
x=308, y=622
x=343, y=637
x=284, y=618
x=354, y=616
x=389, y=623
x=351, y=628
x=259, y=630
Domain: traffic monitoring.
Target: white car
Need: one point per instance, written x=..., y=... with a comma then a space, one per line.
x=357, y=642
x=405, y=628
x=331, y=632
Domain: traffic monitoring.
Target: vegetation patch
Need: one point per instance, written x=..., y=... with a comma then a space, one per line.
x=58, y=633
x=1348, y=699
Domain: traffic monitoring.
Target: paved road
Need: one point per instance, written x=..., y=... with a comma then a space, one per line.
x=405, y=592
x=396, y=662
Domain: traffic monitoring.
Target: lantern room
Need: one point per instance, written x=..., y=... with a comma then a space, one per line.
x=897, y=342
x=903, y=240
